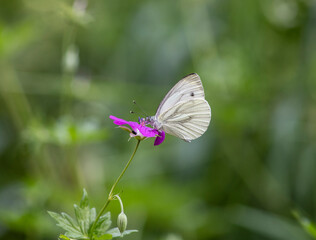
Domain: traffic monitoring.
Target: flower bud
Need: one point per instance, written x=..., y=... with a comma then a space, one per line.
x=122, y=222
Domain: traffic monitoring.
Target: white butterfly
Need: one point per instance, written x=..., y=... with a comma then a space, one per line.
x=183, y=112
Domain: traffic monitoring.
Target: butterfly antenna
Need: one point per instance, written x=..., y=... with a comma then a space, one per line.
x=140, y=108
x=132, y=110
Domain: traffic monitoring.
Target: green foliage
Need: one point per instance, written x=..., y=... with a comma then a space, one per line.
x=64, y=132
x=81, y=227
x=309, y=227
x=68, y=224
x=115, y=232
x=103, y=224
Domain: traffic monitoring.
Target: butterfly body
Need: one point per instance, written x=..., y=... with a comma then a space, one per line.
x=183, y=112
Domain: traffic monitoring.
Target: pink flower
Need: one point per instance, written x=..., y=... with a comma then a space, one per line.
x=139, y=130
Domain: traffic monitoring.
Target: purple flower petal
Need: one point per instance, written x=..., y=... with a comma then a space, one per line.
x=118, y=121
x=134, y=125
x=147, y=131
x=160, y=138
x=140, y=129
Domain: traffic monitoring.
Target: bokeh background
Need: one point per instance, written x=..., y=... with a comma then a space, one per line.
x=65, y=66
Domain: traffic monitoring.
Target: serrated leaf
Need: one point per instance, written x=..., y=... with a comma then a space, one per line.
x=83, y=218
x=56, y=216
x=93, y=215
x=103, y=224
x=67, y=223
x=127, y=232
x=115, y=232
x=79, y=217
x=70, y=220
x=84, y=203
x=64, y=223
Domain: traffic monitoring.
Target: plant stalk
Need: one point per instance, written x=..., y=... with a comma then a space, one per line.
x=110, y=197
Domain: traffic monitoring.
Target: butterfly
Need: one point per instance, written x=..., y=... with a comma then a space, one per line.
x=183, y=112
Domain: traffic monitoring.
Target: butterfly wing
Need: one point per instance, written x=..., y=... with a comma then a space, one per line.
x=188, y=88
x=187, y=120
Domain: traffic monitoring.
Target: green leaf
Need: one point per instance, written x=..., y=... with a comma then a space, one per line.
x=84, y=203
x=70, y=220
x=83, y=218
x=63, y=222
x=56, y=216
x=103, y=224
x=68, y=224
x=93, y=215
x=115, y=232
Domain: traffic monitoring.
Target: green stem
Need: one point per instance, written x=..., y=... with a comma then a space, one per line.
x=113, y=187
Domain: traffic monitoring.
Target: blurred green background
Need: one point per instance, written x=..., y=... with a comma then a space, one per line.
x=65, y=66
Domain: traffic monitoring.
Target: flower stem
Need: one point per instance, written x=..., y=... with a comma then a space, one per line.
x=121, y=203
x=113, y=187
